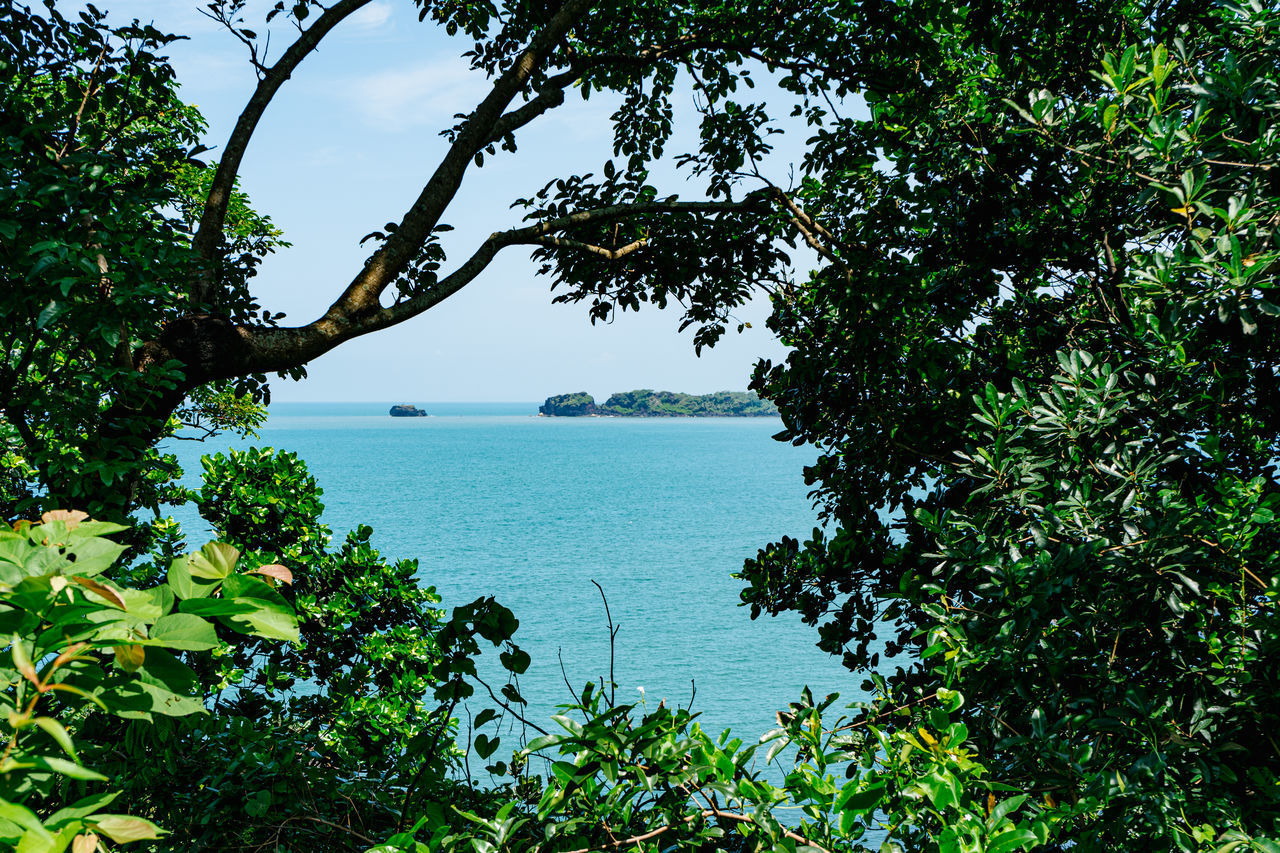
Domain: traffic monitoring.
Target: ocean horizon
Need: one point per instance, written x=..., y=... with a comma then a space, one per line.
x=493, y=500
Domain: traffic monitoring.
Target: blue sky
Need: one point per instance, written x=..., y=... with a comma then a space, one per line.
x=347, y=145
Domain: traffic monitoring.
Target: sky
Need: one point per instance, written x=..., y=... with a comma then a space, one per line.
x=347, y=145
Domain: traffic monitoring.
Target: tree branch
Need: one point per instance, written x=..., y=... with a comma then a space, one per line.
x=209, y=233
x=214, y=348
x=361, y=298
x=607, y=254
x=550, y=96
x=537, y=234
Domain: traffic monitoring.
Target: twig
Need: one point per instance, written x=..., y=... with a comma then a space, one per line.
x=507, y=707
x=868, y=720
x=607, y=254
x=422, y=768
x=613, y=633
x=88, y=93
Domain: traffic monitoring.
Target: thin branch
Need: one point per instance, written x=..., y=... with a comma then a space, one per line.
x=613, y=635
x=645, y=836
x=364, y=838
x=865, y=721
x=217, y=13
x=84, y=102
x=742, y=818
x=442, y=727
x=506, y=706
x=565, y=675
x=1263, y=166
x=209, y=234
x=607, y=254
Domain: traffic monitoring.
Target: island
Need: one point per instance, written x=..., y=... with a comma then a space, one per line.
x=405, y=410
x=660, y=404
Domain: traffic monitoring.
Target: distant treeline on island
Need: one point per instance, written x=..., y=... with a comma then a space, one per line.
x=661, y=404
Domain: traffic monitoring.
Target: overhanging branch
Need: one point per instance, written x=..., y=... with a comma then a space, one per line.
x=268, y=349
x=209, y=233
x=362, y=295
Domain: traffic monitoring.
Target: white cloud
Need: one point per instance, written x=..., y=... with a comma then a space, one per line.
x=370, y=17
x=427, y=93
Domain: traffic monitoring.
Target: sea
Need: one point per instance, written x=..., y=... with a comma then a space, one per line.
x=492, y=499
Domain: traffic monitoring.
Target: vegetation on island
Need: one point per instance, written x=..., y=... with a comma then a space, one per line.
x=1037, y=356
x=661, y=404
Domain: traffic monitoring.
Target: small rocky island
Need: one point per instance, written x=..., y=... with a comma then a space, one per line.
x=660, y=404
x=405, y=410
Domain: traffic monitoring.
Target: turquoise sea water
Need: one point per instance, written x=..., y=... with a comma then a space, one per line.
x=495, y=501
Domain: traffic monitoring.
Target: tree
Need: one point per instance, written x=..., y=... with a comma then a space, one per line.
x=129, y=262
x=1040, y=363
x=1037, y=355
x=98, y=190
x=1039, y=359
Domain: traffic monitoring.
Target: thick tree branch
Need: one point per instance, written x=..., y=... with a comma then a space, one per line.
x=214, y=348
x=361, y=298
x=537, y=234
x=209, y=234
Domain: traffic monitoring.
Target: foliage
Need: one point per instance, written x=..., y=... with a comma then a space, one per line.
x=668, y=404
x=87, y=251
x=1037, y=358
x=1039, y=362
x=632, y=778
x=305, y=739
x=97, y=199
x=85, y=648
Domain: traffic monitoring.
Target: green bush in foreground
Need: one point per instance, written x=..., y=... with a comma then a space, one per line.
x=84, y=647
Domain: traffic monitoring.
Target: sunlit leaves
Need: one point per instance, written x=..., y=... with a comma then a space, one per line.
x=101, y=650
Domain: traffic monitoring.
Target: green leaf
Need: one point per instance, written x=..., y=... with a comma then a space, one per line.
x=50, y=314
x=540, y=743
x=56, y=731
x=485, y=745
x=216, y=607
x=146, y=606
x=1012, y=840
x=187, y=586
x=138, y=699
x=81, y=808
x=124, y=828
x=858, y=802
x=22, y=816
x=272, y=616
x=93, y=556
x=516, y=661
x=942, y=788
x=1006, y=808
x=214, y=561
x=22, y=659
x=66, y=768
x=951, y=700
x=184, y=631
